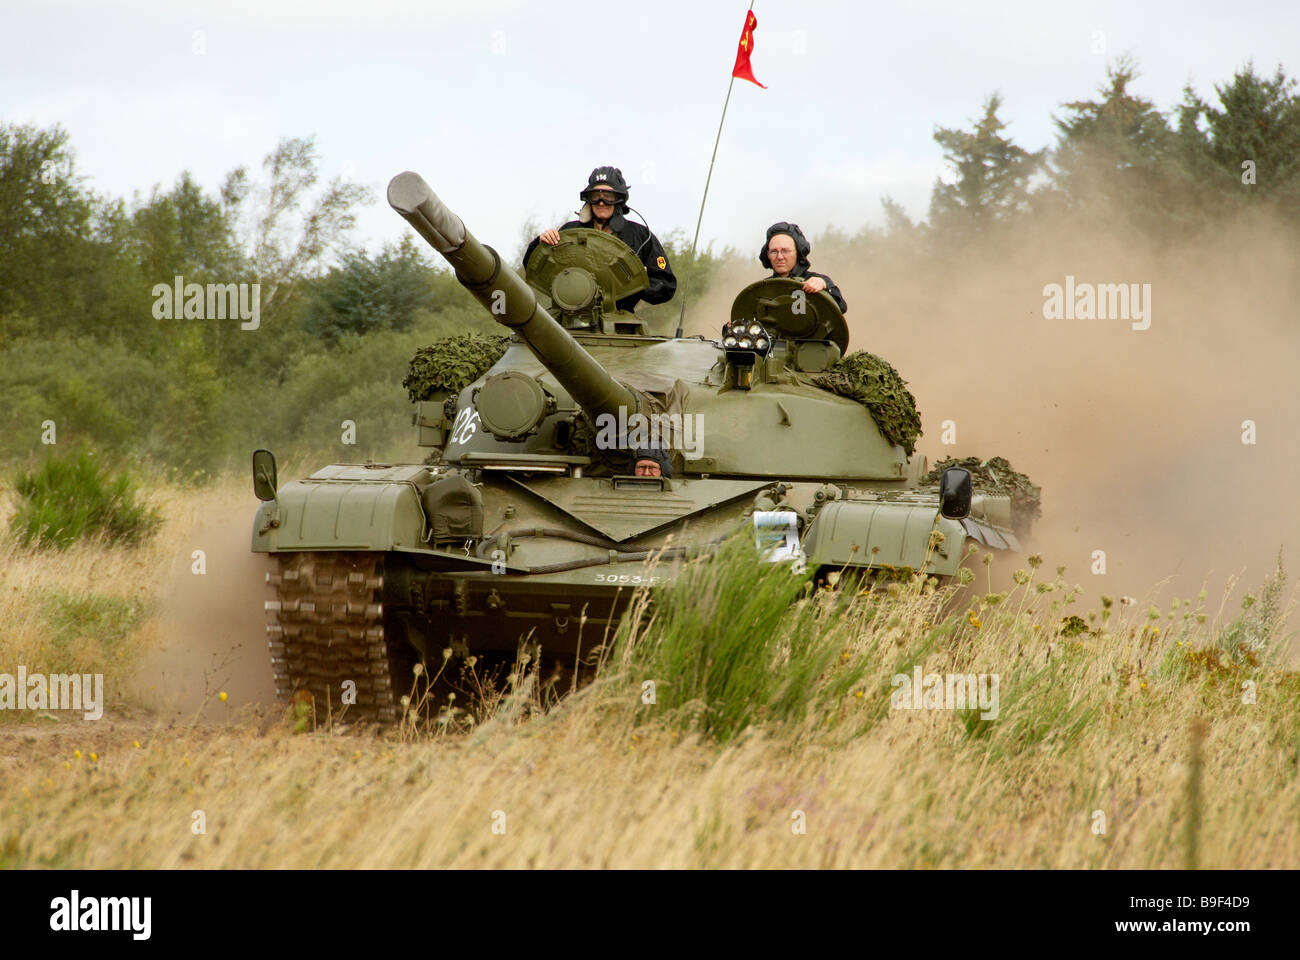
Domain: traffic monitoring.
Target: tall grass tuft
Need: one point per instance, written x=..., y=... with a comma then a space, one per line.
x=1258, y=634
x=71, y=499
x=733, y=643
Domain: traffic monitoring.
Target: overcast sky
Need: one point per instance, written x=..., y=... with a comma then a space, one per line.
x=504, y=107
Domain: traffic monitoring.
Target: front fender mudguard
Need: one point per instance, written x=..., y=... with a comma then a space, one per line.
x=340, y=515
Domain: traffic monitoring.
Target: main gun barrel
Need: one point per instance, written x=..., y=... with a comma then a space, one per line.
x=508, y=298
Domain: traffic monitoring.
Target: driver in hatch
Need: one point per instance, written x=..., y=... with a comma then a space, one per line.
x=604, y=202
x=785, y=253
x=652, y=462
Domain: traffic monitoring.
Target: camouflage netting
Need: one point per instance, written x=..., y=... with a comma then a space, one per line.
x=997, y=476
x=451, y=364
x=876, y=385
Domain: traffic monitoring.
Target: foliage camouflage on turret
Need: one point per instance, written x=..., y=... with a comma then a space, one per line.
x=451, y=364
x=871, y=381
x=996, y=475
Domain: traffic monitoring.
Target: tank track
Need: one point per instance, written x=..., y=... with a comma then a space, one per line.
x=328, y=627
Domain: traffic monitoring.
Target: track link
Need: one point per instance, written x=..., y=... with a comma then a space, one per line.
x=327, y=627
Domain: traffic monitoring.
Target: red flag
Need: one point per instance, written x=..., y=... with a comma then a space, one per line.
x=742, y=68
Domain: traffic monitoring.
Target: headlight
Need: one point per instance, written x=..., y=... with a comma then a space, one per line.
x=745, y=335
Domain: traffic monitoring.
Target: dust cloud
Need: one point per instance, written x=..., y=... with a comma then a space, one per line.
x=212, y=626
x=1136, y=436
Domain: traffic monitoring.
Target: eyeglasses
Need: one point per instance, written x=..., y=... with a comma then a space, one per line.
x=781, y=254
x=600, y=196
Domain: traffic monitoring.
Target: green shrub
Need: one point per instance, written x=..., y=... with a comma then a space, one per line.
x=71, y=499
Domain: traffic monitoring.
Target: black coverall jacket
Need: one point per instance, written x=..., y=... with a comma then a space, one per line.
x=647, y=247
x=802, y=272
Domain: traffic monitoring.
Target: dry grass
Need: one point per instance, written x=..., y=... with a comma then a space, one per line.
x=85, y=609
x=1100, y=722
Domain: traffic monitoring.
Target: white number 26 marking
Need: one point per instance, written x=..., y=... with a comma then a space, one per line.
x=465, y=425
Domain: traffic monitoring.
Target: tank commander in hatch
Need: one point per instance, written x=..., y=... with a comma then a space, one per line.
x=785, y=253
x=604, y=203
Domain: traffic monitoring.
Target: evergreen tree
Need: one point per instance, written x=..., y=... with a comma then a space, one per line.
x=1117, y=150
x=362, y=294
x=901, y=235
x=1257, y=121
x=993, y=175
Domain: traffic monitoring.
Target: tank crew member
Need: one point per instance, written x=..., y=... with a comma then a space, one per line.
x=604, y=203
x=785, y=253
x=652, y=462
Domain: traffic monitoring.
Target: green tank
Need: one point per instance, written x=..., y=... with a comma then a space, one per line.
x=529, y=522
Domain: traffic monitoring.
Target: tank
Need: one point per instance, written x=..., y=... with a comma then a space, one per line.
x=531, y=522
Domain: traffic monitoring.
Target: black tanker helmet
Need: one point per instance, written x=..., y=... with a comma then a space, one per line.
x=801, y=245
x=611, y=177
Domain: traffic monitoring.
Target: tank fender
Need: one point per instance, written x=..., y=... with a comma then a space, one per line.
x=341, y=515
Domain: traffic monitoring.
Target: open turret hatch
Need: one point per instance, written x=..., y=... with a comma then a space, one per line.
x=785, y=311
x=581, y=279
